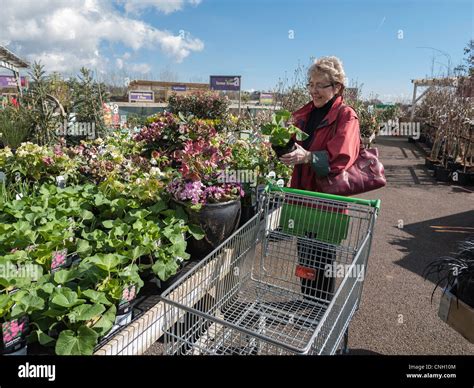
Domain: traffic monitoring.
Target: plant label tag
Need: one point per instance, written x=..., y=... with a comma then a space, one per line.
x=13, y=334
x=3, y=177
x=305, y=272
x=60, y=260
x=13, y=291
x=128, y=295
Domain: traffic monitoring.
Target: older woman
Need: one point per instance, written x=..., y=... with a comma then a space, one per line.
x=332, y=146
x=327, y=149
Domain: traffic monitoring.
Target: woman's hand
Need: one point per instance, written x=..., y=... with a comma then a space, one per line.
x=298, y=156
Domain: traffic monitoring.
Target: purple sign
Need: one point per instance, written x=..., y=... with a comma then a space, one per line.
x=8, y=81
x=220, y=82
x=141, y=96
x=178, y=88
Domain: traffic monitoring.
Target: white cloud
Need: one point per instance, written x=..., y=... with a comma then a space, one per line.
x=142, y=68
x=68, y=35
x=165, y=6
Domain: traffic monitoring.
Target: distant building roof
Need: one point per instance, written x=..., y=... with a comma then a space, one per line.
x=168, y=84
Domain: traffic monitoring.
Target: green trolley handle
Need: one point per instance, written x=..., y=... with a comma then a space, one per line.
x=359, y=201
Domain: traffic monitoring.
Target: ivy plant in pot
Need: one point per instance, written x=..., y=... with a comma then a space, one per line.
x=456, y=272
x=282, y=134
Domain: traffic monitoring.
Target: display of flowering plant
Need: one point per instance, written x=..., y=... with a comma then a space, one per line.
x=199, y=194
x=32, y=163
x=202, y=164
x=167, y=132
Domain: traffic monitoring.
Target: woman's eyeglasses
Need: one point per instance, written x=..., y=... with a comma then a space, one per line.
x=311, y=86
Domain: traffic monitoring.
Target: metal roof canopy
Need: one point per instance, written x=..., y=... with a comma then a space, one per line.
x=10, y=61
x=446, y=82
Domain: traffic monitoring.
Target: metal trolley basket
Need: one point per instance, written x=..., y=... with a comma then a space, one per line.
x=286, y=282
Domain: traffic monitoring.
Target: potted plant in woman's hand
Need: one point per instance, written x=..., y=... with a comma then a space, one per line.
x=282, y=135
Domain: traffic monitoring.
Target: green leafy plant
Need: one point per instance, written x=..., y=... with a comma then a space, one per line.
x=88, y=96
x=14, y=126
x=280, y=131
x=41, y=108
x=205, y=105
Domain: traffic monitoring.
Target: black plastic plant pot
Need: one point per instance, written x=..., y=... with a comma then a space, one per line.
x=430, y=164
x=218, y=221
x=289, y=147
x=453, y=166
x=182, y=271
x=463, y=178
x=422, y=139
x=442, y=174
x=411, y=140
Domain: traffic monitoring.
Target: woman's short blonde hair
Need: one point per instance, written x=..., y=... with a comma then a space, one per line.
x=332, y=67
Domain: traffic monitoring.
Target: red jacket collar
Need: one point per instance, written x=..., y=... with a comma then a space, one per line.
x=303, y=113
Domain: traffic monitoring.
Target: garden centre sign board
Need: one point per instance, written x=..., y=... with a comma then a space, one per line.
x=225, y=82
x=141, y=96
x=266, y=98
x=7, y=81
x=178, y=88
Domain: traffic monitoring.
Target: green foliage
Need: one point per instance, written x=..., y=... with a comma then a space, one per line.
x=205, y=105
x=88, y=96
x=14, y=126
x=280, y=131
x=41, y=114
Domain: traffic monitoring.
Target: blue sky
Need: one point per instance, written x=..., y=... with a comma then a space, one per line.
x=250, y=38
x=247, y=38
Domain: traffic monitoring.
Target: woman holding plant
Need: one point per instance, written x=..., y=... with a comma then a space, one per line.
x=328, y=148
x=331, y=146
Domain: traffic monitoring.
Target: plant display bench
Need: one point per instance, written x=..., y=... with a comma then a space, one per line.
x=140, y=334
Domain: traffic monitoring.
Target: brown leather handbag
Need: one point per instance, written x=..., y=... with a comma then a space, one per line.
x=366, y=174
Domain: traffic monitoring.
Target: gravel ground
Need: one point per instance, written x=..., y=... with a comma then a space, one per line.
x=396, y=315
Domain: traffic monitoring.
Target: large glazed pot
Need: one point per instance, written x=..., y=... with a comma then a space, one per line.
x=218, y=221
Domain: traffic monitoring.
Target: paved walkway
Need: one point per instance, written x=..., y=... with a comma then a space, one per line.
x=396, y=315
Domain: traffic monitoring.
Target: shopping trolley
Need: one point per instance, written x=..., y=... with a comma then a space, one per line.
x=287, y=282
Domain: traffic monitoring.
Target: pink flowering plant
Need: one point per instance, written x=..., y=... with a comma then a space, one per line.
x=200, y=173
x=167, y=132
x=164, y=132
